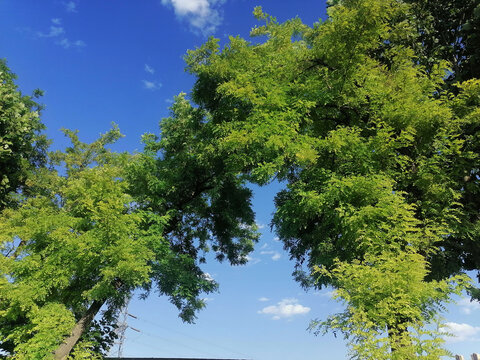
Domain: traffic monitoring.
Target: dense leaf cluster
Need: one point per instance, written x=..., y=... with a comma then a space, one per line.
x=380, y=161
x=22, y=147
x=371, y=119
x=97, y=225
x=449, y=30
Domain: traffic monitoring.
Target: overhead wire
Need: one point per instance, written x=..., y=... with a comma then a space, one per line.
x=179, y=343
x=232, y=351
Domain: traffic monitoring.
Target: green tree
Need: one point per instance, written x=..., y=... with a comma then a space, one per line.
x=388, y=306
x=446, y=30
x=68, y=249
x=449, y=30
x=22, y=147
x=375, y=157
x=183, y=174
x=83, y=242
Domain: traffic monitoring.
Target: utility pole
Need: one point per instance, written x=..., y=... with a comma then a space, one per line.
x=122, y=326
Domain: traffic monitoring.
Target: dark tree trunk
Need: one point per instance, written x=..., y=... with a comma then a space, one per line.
x=397, y=334
x=66, y=347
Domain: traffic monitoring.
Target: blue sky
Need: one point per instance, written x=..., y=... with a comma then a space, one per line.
x=121, y=61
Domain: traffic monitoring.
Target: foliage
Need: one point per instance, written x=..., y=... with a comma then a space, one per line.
x=22, y=147
x=460, y=248
x=449, y=30
x=100, y=337
x=91, y=234
x=388, y=291
x=76, y=241
x=182, y=174
x=378, y=161
x=437, y=31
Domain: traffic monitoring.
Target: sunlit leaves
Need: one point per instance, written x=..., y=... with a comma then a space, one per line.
x=76, y=241
x=373, y=153
x=22, y=147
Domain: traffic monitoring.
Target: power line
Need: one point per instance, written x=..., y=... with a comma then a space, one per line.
x=191, y=337
x=135, y=340
x=179, y=343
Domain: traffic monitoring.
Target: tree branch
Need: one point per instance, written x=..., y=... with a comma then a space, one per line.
x=68, y=344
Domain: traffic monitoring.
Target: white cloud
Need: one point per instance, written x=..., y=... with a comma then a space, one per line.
x=260, y=225
x=287, y=308
x=58, y=32
x=151, y=85
x=54, y=31
x=275, y=254
x=467, y=306
x=263, y=299
x=264, y=246
x=79, y=43
x=66, y=44
x=276, y=238
x=462, y=332
x=149, y=69
x=208, y=277
x=245, y=226
x=70, y=6
x=329, y=294
x=202, y=15
x=253, y=260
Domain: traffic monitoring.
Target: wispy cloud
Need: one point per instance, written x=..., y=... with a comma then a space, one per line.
x=54, y=31
x=263, y=299
x=286, y=308
x=149, y=69
x=462, y=332
x=67, y=44
x=253, y=260
x=260, y=225
x=151, y=85
x=70, y=6
x=202, y=15
x=467, y=306
x=275, y=254
x=328, y=294
x=57, y=32
x=208, y=277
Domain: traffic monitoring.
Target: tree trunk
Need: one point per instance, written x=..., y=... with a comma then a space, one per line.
x=66, y=347
x=399, y=339
x=393, y=335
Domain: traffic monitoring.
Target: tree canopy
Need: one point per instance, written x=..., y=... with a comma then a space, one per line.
x=75, y=242
x=379, y=161
x=99, y=225
x=449, y=30
x=364, y=117
x=22, y=146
